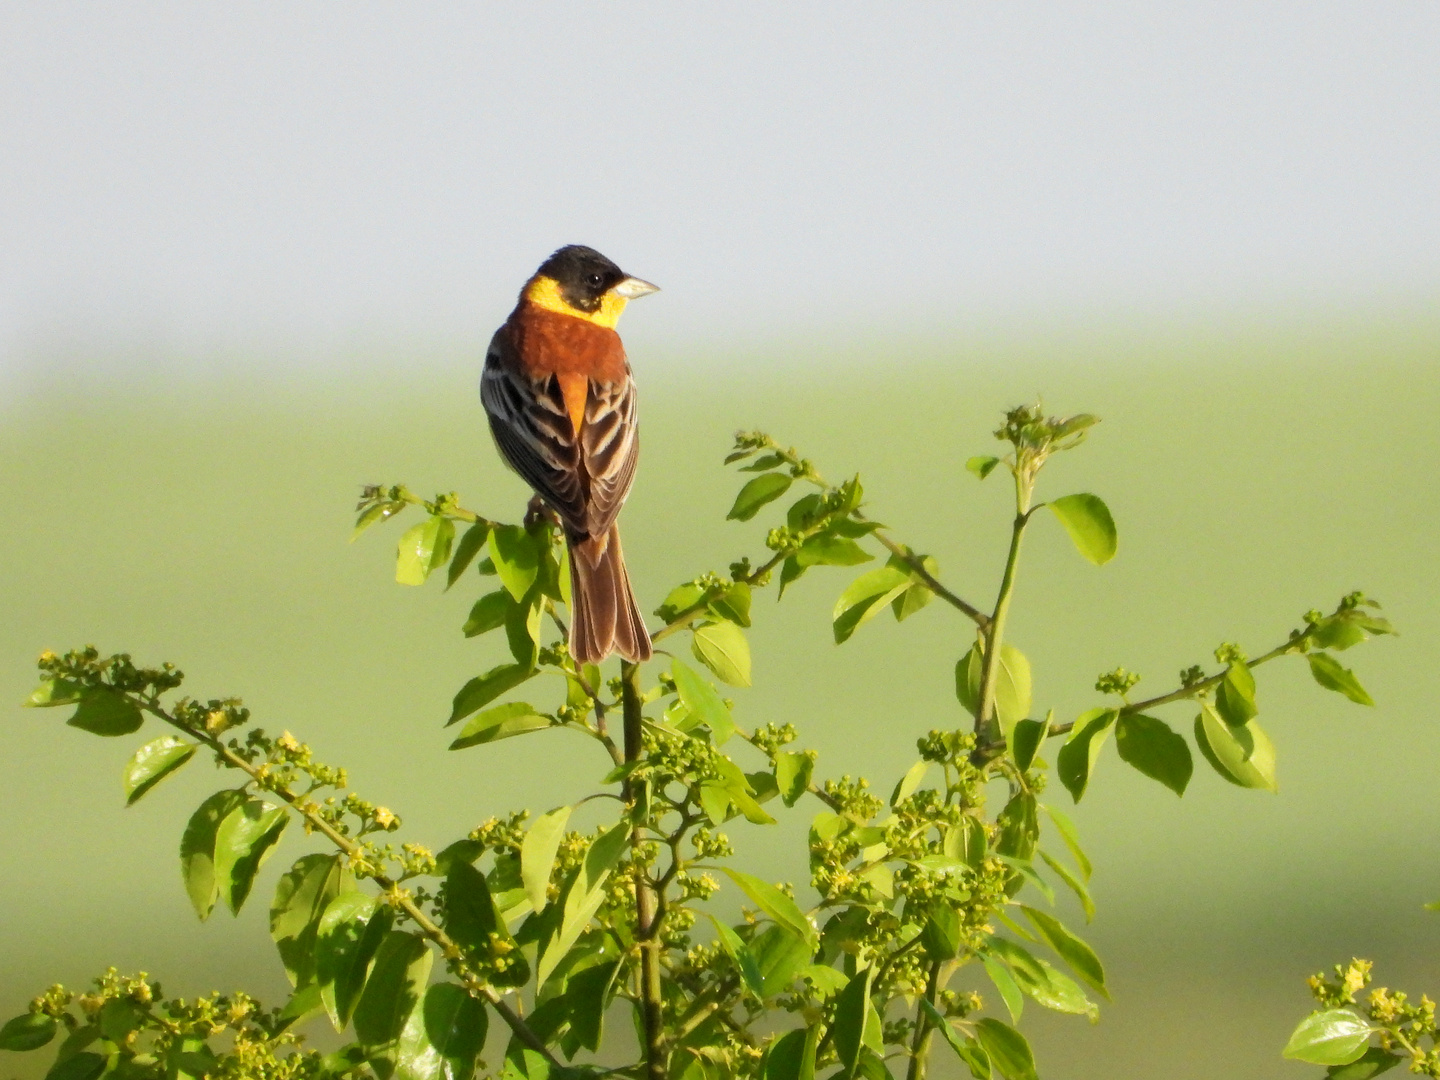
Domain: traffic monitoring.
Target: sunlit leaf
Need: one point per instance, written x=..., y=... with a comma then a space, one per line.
x=1012, y=685
x=982, y=466
x=765, y=488
x=1075, y=952
x=301, y=897
x=792, y=775
x=723, y=649
x=501, y=722
x=1087, y=519
x=1243, y=755
x=152, y=763
x=703, y=701
x=1010, y=1054
x=831, y=551
x=740, y=953
x=537, y=854
x=483, y=689
x=585, y=895
x=52, y=693
x=774, y=903
x=909, y=782
x=968, y=1050
x=516, y=556
x=1330, y=674
x=866, y=597
x=1331, y=1037
x=393, y=990
x=423, y=549
x=1076, y=759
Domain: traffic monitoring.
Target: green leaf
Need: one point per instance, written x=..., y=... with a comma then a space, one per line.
x=866, y=597
x=779, y=957
x=28, y=1031
x=909, y=782
x=723, y=649
x=346, y=939
x=1332, y=1037
x=517, y=558
x=740, y=953
x=1330, y=674
x=243, y=842
x=763, y=463
x=423, y=549
x=1043, y=983
x=86, y=1066
x=774, y=903
x=301, y=896
x=483, y=689
x=522, y=629
x=152, y=763
x=1235, y=696
x=733, y=604
x=792, y=1056
x=1025, y=741
x=1242, y=755
x=856, y=1023
x=702, y=701
x=765, y=488
x=587, y=996
x=1071, y=836
x=197, y=849
x=1371, y=1063
x=982, y=466
x=968, y=1050
x=825, y=550
x=501, y=722
x=474, y=921
x=1019, y=828
x=1151, y=747
x=443, y=1037
x=396, y=982
x=1087, y=519
x=941, y=937
x=107, y=713
x=1009, y=1052
x=792, y=774
x=1075, y=884
x=586, y=893
x=1080, y=956
x=465, y=551
x=537, y=854
x=53, y=693
x=1076, y=759
x=488, y=613
x=1012, y=685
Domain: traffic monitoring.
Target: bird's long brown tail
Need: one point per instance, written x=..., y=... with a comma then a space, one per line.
x=606, y=617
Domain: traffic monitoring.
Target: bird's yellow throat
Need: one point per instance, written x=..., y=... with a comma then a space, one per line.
x=544, y=292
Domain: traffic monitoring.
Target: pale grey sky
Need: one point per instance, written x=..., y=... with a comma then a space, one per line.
x=216, y=174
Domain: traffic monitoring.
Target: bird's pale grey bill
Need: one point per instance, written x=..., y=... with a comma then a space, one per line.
x=632, y=287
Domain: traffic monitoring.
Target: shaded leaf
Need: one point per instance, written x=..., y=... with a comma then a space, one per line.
x=1009, y=1053
x=792, y=774
x=982, y=466
x=1025, y=741
x=1012, y=685
x=443, y=1037
x=346, y=939
x=825, y=550
x=1371, y=1063
x=28, y=1031
x=740, y=953
x=465, y=551
x=1071, y=836
x=243, y=842
x=1235, y=696
x=586, y=997
x=1074, y=883
x=488, y=613
x=301, y=896
x=1151, y=747
x=1087, y=519
x=394, y=988
x=197, y=849
x=53, y=693
x=968, y=1050
x=1075, y=952
x=474, y=921
x=792, y=1056
x=107, y=713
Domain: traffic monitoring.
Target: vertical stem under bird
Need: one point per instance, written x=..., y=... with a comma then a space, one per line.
x=647, y=929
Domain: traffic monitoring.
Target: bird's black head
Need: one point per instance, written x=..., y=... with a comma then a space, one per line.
x=583, y=275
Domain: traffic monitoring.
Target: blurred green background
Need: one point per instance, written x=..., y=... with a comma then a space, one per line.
x=1256, y=467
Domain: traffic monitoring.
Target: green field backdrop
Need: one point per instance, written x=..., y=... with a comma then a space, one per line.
x=1256, y=468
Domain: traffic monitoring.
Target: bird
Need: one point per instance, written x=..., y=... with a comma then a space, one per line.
x=559, y=394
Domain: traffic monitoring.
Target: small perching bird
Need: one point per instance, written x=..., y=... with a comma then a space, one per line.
x=561, y=401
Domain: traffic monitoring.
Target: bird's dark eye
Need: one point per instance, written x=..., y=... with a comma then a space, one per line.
x=596, y=279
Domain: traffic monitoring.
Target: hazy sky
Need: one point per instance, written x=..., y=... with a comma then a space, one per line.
x=216, y=174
